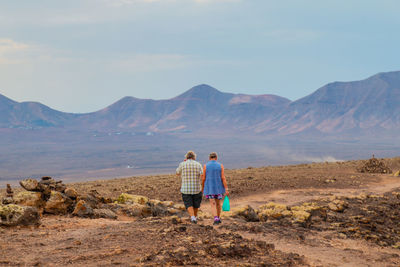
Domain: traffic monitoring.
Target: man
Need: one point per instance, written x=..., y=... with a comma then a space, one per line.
x=214, y=185
x=190, y=171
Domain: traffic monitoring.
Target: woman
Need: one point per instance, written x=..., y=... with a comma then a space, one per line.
x=214, y=185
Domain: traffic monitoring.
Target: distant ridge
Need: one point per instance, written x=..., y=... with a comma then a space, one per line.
x=344, y=107
x=368, y=106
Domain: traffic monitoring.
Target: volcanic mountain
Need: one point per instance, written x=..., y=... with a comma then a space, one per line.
x=30, y=115
x=368, y=106
x=200, y=108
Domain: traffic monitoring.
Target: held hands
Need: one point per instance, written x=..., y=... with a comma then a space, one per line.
x=226, y=192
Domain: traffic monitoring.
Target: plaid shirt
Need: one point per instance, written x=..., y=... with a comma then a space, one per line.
x=190, y=171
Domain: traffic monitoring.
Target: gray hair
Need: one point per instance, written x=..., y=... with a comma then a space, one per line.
x=190, y=155
x=213, y=155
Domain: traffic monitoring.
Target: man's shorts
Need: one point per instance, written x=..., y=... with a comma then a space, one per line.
x=192, y=200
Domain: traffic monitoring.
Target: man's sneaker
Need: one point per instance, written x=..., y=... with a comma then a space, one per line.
x=193, y=221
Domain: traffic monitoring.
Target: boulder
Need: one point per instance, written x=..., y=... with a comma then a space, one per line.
x=273, y=210
x=7, y=200
x=47, y=184
x=173, y=211
x=58, y=203
x=246, y=212
x=159, y=210
x=104, y=213
x=300, y=216
x=30, y=185
x=71, y=193
x=60, y=187
x=179, y=207
x=337, y=205
x=28, y=198
x=46, y=180
x=82, y=209
x=167, y=203
x=154, y=201
x=308, y=211
x=136, y=210
x=13, y=215
x=93, y=198
x=125, y=198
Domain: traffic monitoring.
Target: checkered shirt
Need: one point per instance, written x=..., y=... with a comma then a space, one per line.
x=190, y=171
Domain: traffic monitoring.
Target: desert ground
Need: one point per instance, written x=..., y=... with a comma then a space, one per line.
x=361, y=229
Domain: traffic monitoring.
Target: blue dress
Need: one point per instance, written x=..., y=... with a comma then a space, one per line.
x=213, y=184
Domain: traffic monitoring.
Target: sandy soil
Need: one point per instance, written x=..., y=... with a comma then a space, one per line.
x=63, y=240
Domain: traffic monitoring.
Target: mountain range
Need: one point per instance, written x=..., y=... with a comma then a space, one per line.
x=368, y=106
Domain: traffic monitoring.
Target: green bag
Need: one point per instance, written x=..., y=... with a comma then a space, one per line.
x=226, y=206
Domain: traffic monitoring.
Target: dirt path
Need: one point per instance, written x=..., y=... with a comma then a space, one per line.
x=324, y=248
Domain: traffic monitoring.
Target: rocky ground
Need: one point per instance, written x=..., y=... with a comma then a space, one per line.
x=327, y=214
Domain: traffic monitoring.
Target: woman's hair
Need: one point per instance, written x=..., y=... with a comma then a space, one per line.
x=213, y=155
x=190, y=155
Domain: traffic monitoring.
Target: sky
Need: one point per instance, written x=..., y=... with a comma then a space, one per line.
x=83, y=55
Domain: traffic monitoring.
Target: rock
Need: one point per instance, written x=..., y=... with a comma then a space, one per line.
x=337, y=205
x=13, y=215
x=71, y=193
x=125, y=198
x=60, y=187
x=273, y=210
x=7, y=200
x=9, y=191
x=172, y=211
x=159, y=210
x=175, y=219
x=82, y=209
x=48, y=184
x=167, y=203
x=179, y=207
x=93, y=198
x=136, y=210
x=374, y=165
x=104, y=213
x=30, y=185
x=154, y=201
x=246, y=212
x=28, y=198
x=47, y=180
x=361, y=196
x=300, y=216
x=58, y=203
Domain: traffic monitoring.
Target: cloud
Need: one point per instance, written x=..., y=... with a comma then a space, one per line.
x=11, y=46
x=14, y=52
x=161, y=62
x=119, y=3
x=10, y=51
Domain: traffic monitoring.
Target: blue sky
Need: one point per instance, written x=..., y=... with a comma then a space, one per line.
x=82, y=55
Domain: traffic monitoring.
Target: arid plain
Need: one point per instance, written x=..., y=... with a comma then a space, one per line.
x=356, y=223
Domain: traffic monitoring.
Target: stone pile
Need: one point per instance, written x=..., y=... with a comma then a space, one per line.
x=374, y=165
x=9, y=196
x=49, y=196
